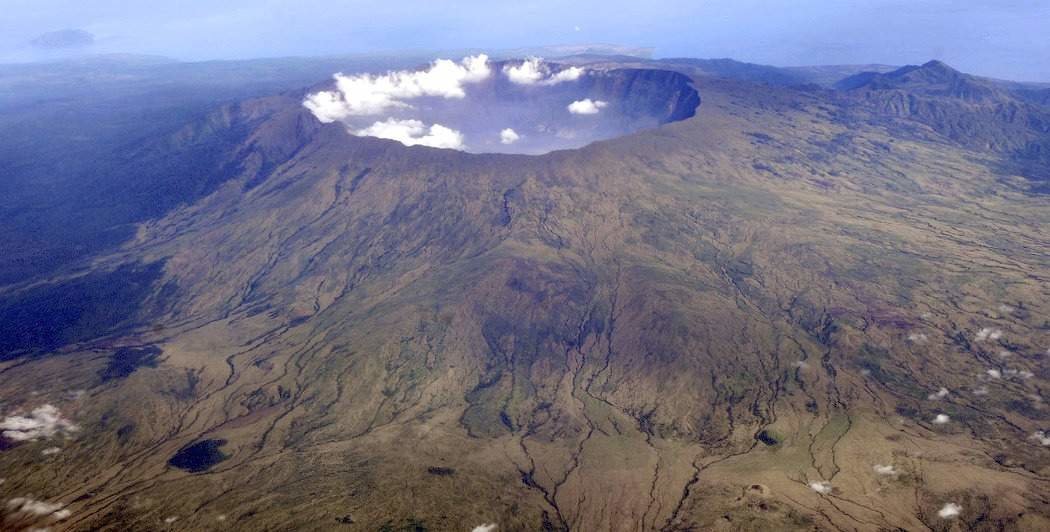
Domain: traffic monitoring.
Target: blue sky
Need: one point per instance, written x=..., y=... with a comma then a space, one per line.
x=1002, y=38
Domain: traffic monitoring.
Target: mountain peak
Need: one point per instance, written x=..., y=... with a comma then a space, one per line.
x=931, y=72
x=933, y=78
x=934, y=70
x=937, y=64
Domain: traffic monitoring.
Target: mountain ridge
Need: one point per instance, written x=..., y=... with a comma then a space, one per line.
x=972, y=111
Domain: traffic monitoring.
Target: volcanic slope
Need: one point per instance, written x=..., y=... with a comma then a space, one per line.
x=740, y=321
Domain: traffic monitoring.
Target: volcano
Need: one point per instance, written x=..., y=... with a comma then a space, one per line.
x=721, y=305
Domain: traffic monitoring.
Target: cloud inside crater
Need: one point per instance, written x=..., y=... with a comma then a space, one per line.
x=450, y=105
x=534, y=71
x=508, y=136
x=370, y=95
x=586, y=106
x=413, y=133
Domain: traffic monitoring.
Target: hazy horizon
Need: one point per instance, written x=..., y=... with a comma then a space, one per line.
x=994, y=38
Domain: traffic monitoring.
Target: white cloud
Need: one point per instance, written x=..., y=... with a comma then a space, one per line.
x=800, y=364
x=949, y=510
x=51, y=450
x=885, y=469
x=586, y=107
x=369, y=95
x=821, y=487
x=528, y=72
x=1042, y=437
x=26, y=505
x=485, y=528
x=1006, y=309
x=939, y=394
x=171, y=519
x=994, y=373
x=568, y=74
x=42, y=423
x=941, y=419
x=1012, y=373
x=988, y=333
x=414, y=132
x=981, y=390
x=534, y=71
x=917, y=337
x=508, y=136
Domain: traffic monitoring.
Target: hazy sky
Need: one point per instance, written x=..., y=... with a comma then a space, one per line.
x=1002, y=38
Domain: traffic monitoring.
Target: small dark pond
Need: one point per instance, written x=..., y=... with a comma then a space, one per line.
x=198, y=456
